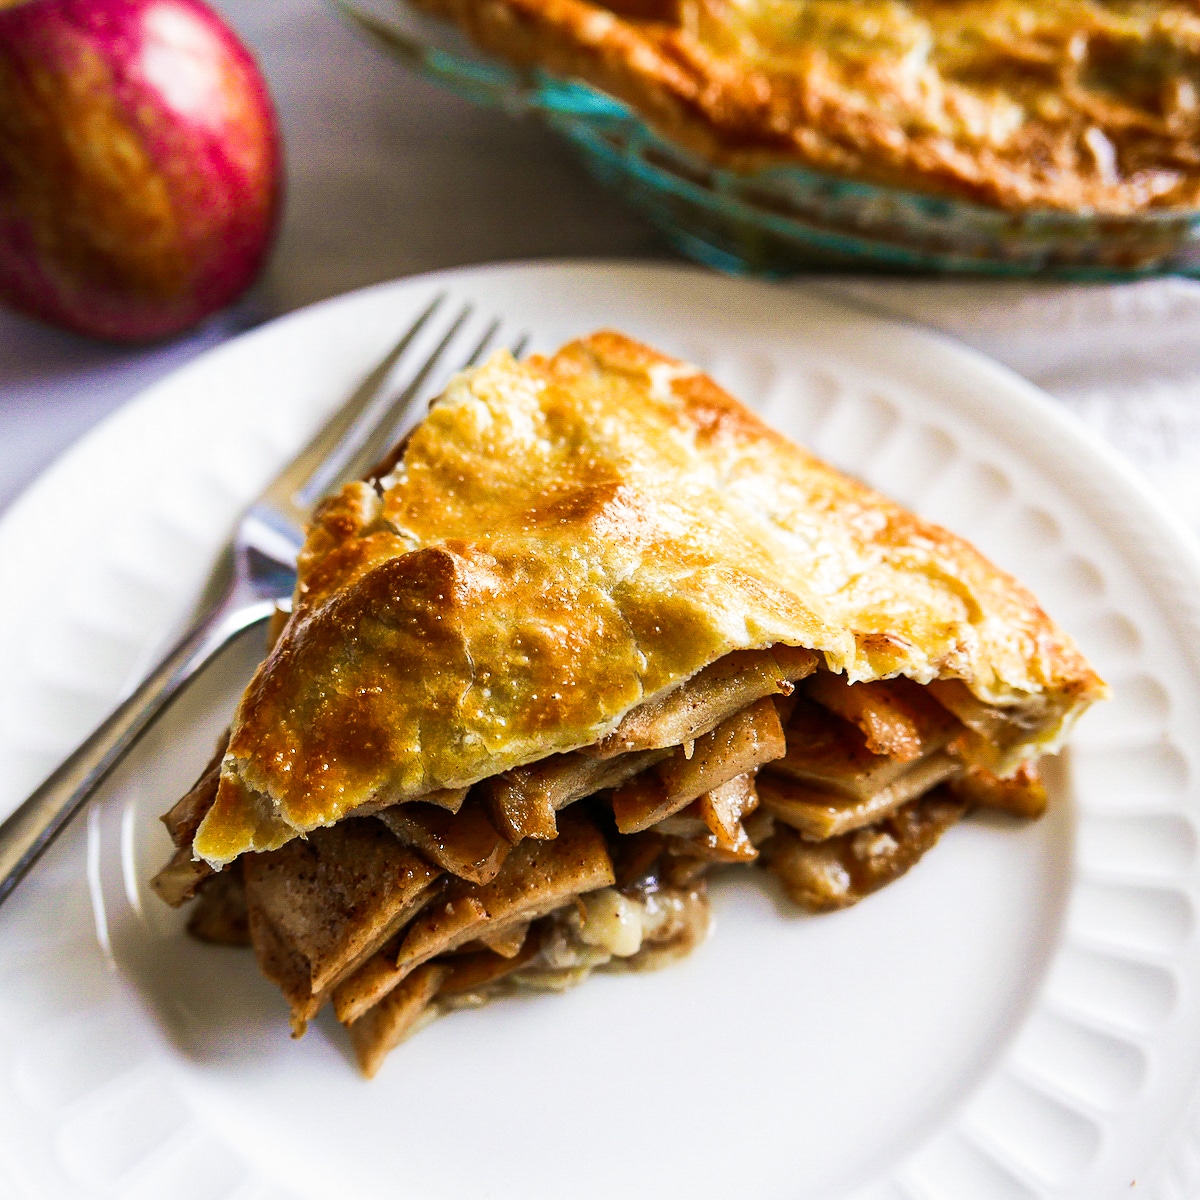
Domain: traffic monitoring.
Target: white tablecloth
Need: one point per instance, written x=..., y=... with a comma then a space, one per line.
x=388, y=176
x=1124, y=359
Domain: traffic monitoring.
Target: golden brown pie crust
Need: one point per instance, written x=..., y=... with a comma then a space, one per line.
x=569, y=537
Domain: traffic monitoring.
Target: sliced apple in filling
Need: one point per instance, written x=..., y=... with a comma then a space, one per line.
x=594, y=858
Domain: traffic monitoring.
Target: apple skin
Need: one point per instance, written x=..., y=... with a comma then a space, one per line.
x=140, y=165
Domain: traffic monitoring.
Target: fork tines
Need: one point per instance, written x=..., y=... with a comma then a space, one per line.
x=437, y=344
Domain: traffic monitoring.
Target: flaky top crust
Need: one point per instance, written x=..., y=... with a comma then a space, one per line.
x=1080, y=105
x=567, y=537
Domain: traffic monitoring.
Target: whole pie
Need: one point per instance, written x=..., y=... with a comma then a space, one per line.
x=596, y=631
x=1081, y=105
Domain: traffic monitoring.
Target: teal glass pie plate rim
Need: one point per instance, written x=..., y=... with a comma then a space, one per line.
x=783, y=220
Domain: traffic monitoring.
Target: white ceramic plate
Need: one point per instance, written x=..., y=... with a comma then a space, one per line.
x=1019, y=1017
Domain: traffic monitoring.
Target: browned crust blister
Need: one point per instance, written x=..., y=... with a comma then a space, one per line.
x=1074, y=105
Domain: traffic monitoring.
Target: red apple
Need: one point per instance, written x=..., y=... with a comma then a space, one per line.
x=140, y=164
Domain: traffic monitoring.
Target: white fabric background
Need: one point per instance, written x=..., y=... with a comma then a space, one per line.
x=388, y=176
x=1124, y=359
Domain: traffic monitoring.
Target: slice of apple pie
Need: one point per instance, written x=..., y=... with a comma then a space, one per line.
x=597, y=631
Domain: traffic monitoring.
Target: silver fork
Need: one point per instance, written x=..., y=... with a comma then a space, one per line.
x=256, y=574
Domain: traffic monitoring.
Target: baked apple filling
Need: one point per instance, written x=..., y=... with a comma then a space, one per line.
x=596, y=859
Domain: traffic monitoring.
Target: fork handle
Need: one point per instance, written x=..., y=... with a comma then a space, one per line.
x=39, y=820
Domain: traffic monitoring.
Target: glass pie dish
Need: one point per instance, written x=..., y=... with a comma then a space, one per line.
x=780, y=220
